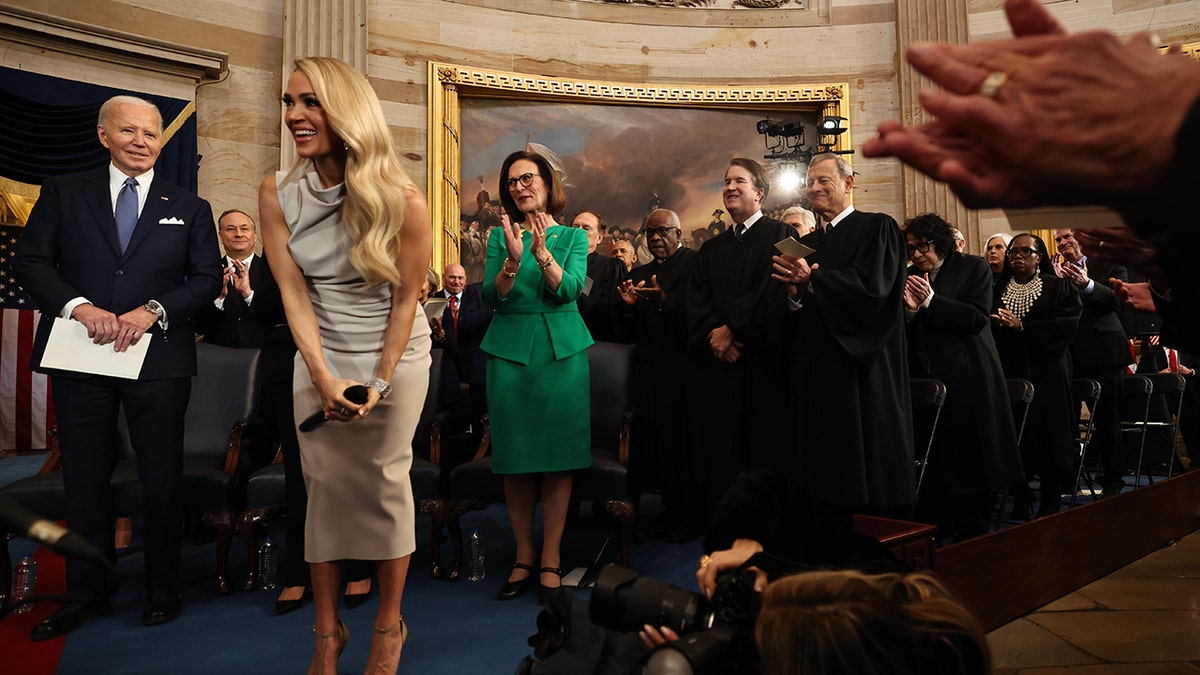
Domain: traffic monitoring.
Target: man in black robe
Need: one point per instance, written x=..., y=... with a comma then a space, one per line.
x=849, y=368
x=735, y=317
x=603, y=274
x=652, y=316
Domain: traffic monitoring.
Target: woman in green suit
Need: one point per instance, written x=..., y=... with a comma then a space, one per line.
x=537, y=372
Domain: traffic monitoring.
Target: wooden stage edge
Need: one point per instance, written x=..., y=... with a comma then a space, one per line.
x=1005, y=575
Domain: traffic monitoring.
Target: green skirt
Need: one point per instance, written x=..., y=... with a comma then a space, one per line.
x=540, y=413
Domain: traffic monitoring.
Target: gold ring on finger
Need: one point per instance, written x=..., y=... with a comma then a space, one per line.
x=704, y=560
x=992, y=83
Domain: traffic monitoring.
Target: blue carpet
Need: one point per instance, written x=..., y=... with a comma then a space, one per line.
x=457, y=628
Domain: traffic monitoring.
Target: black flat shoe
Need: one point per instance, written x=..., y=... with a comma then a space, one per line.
x=68, y=617
x=556, y=571
x=512, y=589
x=162, y=605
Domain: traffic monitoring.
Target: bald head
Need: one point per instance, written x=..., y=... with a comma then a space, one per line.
x=455, y=278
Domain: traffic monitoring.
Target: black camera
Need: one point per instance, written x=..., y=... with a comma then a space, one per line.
x=715, y=637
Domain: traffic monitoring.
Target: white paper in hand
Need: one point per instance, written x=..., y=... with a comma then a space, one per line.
x=70, y=348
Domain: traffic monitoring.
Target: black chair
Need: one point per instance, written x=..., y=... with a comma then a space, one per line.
x=606, y=481
x=928, y=397
x=266, y=487
x=1136, y=391
x=1084, y=392
x=1020, y=397
x=219, y=417
x=1162, y=419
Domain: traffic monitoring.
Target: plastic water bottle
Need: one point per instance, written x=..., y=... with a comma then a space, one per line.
x=268, y=564
x=475, y=569
x=24, y=579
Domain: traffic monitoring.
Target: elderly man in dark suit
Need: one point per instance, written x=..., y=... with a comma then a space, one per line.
x=1100, y=350
x=131, y=257
x=463, y=323
x=249, y=306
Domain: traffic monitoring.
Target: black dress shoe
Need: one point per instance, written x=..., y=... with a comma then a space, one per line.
x=68, y=617
x=544, y=591
x=162, y=605
x=512, y=589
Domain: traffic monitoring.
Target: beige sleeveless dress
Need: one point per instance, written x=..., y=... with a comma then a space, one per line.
x=360, y=503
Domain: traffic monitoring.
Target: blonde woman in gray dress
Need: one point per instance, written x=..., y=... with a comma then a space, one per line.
x=348, y=237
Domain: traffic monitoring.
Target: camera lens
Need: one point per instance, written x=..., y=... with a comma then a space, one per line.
x=624, y=600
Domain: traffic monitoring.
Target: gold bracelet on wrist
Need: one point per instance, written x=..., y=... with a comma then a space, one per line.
x=510, y=272
x=549, y=262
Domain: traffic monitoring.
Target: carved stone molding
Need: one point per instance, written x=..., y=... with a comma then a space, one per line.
x=65, y=36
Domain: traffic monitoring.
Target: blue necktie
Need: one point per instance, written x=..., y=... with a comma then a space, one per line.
x=126, y=213
x=739, y=231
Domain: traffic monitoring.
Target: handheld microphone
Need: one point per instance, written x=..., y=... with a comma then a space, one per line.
x=355, y=394
x=47, y=533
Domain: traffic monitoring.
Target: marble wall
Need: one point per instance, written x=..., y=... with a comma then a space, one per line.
x=833, y=40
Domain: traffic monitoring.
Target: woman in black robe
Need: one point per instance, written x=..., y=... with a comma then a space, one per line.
x=1034, y=324
x=947, y=299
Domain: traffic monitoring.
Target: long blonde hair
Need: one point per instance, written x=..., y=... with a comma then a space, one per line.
x=376, y=184
x=846, y=622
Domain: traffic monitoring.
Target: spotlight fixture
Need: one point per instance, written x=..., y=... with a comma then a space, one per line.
x=832, y=125
x=782, y=128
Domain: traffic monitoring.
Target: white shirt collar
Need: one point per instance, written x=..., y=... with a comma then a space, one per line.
x=841, y=216
x=751, y=220
x=116, y=180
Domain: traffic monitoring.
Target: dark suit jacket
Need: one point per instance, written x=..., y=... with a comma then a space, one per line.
x=1100, y=338
x=237, y=324
x=465, y=362
x=69, y=249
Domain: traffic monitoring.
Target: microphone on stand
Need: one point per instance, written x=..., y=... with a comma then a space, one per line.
x=50, y=534
x=355, y=394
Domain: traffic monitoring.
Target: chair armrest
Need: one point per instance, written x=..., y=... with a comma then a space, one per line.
x=53, y=455
x=623, y=441
x=485, y=441
x=233, y=448
x=435, y=439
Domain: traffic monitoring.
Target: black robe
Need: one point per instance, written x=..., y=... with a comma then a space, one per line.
x=849, y=368
x=597, y=304
x=1039, y=354
x=737, y=409
x=975, y=447
x=660, y=435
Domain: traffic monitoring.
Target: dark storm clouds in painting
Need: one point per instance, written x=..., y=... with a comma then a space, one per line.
x=616, y=157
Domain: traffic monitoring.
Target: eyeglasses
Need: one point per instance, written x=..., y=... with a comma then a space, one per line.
x=923, y=247
x=1022, y=252
x=660, y=231
x=524, y=179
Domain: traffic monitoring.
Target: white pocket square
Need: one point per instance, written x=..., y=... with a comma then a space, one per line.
x=170, y=221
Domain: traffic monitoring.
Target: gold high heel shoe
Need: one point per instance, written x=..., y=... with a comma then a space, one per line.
x=386, y=664
x=342, y=634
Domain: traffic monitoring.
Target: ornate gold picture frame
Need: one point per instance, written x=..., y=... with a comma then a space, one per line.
x=450, y=84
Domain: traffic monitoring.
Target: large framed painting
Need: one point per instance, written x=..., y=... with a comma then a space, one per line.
x=622, y=149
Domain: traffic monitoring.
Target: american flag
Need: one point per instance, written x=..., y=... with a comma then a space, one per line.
x=25, y=410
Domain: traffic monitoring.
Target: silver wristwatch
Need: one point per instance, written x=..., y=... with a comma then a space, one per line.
x=382, y=386
x=156, y=308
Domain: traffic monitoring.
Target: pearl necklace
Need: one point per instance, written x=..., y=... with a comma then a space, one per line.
x=1018, y=297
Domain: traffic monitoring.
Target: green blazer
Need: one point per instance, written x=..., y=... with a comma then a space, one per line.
x=531, y=304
